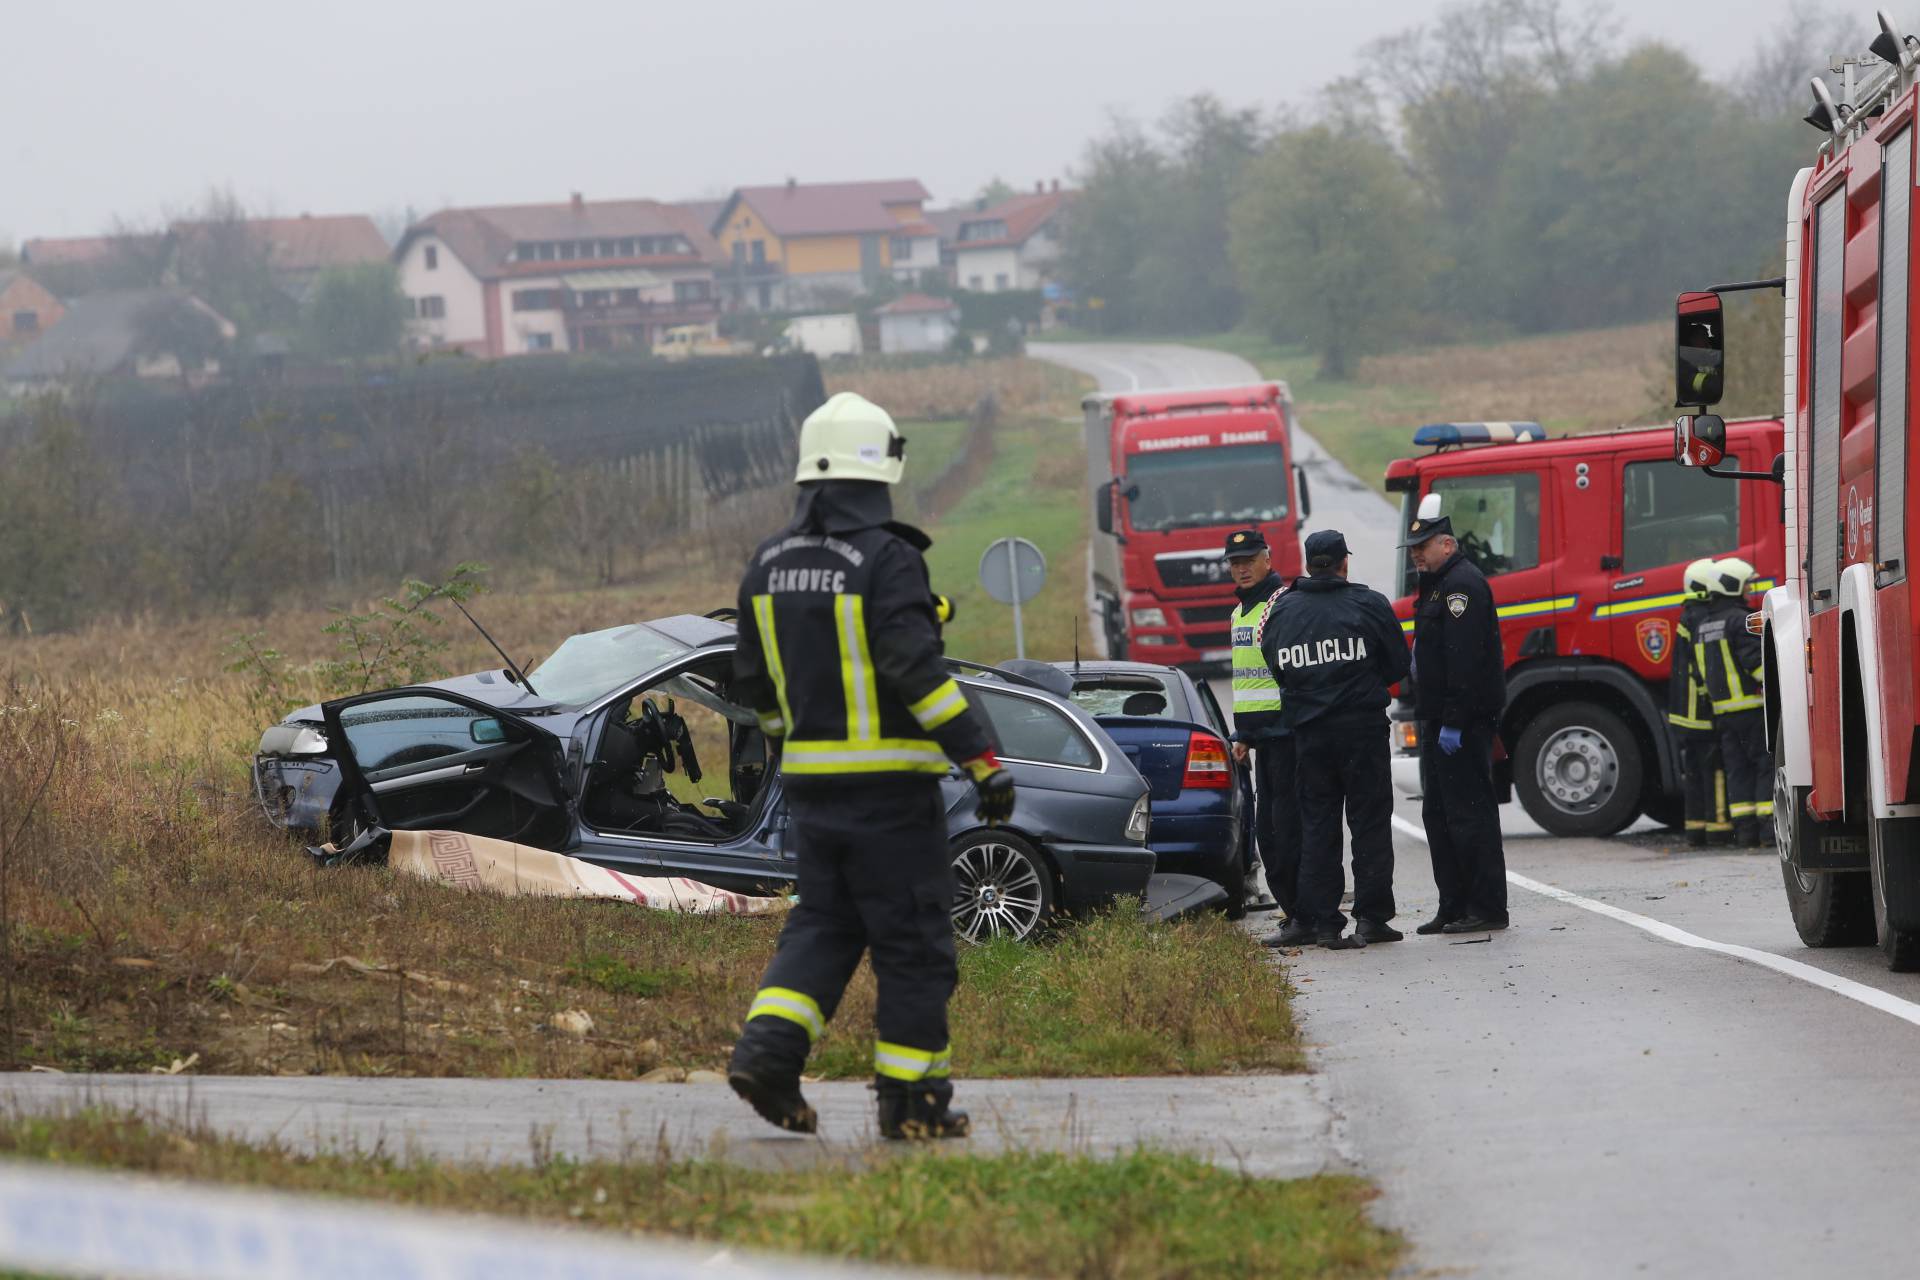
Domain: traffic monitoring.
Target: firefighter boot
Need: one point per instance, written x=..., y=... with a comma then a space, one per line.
x=1746, y=833
x=765, y=1071
x=919, y=1110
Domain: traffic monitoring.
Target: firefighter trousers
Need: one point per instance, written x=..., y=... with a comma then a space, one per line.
x=1749, y=767
x=1462, y=819
x=875, y=877
x=1276, y=818
x=1335, y=769
x=1703, y=786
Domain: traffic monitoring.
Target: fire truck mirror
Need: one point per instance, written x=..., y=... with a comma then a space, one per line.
x=1306, y=494
x=1699, y=366
x=1700, y=440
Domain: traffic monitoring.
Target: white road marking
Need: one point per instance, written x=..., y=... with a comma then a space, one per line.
x=1872, y=997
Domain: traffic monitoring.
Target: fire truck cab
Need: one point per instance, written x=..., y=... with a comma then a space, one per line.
x=1583, y=540
x=1842, y=633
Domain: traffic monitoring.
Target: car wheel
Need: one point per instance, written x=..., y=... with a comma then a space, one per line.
x=1003, y=888
x=1578, y=770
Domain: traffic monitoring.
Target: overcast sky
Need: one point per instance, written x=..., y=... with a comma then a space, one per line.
x=131, y=108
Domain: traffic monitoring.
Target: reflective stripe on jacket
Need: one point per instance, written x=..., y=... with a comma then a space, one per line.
x=1256, y=694
x=1730, y=658
x=1688, y=708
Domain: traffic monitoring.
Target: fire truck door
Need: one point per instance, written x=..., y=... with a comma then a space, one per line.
x=1667, y=517
x=1503, y=520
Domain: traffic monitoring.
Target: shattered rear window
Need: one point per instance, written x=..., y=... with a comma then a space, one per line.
x=586, y=668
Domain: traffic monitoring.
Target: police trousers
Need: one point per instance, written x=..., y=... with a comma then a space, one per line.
x=1462, y=819
x=1749, y=766
x=1334, y=769
x=1702, y=784
x=874, y=877
x=1276, y=818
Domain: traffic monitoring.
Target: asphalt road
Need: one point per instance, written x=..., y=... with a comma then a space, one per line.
x=1591, y=1095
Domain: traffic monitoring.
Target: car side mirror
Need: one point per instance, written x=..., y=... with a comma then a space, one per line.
x=1700, y=440
x=1699, y=351
x=487, y=732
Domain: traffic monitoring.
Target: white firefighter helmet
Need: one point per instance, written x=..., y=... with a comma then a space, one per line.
x=1699, y=578
x=850, y=438
x=1732, y=577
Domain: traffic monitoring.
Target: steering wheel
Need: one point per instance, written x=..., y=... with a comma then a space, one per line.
x=657, y=729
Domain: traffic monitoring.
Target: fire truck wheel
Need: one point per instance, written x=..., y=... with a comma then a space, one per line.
x=1577, y=768
x=1893, y=848
x=1832, y=910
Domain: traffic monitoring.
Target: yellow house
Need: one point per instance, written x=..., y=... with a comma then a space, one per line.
x=814, y=244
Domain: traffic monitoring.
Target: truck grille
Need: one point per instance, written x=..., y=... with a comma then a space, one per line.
x=1205, y=569
x=1208, y=639
x=1207, y=613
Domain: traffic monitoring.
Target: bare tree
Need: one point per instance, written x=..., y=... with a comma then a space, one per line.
x=1804, y=44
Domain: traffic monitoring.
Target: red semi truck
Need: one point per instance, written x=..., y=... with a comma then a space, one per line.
x=1173, y=473
x=1583, y=540
x=1842, y=633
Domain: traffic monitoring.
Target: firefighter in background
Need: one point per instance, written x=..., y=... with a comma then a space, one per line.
x=1690, y=715
x=1730, y=659
x=839, y=655
x=1257, y=731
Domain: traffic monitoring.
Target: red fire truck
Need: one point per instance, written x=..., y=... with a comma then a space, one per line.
x=1173, y=473
x=1842, y=633
x=1583, y=540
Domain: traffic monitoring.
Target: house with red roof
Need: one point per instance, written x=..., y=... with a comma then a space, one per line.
x=582, y=275
x=1013, y=244
x=804, y=245
x=27, y=308
x=296, y=249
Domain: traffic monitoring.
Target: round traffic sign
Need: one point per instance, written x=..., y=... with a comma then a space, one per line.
x=1013, y=570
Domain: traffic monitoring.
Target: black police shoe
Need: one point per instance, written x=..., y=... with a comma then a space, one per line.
x=776, y=1098
x=1342, y=942
x=1376, y=931
x=1474, y=924
x=1294, y=933
x=1435, y=925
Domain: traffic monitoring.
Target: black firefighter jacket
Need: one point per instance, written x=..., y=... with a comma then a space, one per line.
x=1459, y=665
x=1336, y=649
x=840, y=651
x=1688, y=709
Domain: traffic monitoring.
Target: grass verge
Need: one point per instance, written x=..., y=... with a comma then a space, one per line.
x=1031, y=1214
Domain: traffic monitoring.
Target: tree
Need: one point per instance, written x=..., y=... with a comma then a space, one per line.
x=1326, y=238
x=175, y=327
x=225, y=261
x=994, y=192
x=355, y=312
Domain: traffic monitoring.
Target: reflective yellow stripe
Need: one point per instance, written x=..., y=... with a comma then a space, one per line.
x=1737, y=699
x=903, y=1062
x=940, y=706
x=1741, y=808
x=794, y=1006
x=1763, y=809
x=870, y=755
x=770, y=646
x=771, y=724
x=856, y=667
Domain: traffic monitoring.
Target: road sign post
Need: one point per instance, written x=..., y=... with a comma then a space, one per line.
x=1013, y=570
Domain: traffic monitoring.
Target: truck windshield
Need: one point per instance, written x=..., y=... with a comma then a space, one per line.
x=1193, y=488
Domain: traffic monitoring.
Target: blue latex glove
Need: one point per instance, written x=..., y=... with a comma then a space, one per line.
x=1449, y=740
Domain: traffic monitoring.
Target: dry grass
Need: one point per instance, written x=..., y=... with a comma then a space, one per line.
x=1024, y=388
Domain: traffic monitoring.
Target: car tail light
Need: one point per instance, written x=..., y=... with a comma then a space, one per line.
x=1140, y=820
x=1408, y=731
x=1207, y=765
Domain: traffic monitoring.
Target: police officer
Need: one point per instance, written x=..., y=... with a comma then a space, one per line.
x=1335, y=649
x=1459, y=690
x=1690, y=714
x=1257, y=731
x=839, y=654
x=1731, y=659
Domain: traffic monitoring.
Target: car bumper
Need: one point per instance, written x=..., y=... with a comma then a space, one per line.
x=1092, y=875
x=1194, y=844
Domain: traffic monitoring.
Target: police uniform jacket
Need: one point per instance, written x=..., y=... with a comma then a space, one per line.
x=1730, y=657
x=1688, y=709
x=1459, y=666
x=839, y=650
x=1335, y=648
x=1254, y=723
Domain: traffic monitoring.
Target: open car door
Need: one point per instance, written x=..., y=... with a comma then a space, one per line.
x=418, y=759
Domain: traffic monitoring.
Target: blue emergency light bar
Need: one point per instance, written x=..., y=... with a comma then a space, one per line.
x=1441, y=434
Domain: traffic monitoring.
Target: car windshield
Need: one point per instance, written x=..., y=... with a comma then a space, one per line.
x=1130, y=696
x=586, y=668
x=1187, y=488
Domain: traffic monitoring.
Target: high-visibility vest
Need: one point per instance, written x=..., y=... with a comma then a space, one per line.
x=1256, y=694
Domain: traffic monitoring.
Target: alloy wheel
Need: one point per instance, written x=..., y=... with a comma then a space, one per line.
x=997, y=892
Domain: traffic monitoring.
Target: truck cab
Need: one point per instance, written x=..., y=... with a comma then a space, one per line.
x=1583, y=540
x=1174, y=473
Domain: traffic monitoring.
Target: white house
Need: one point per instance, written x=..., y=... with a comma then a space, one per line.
x=824, y=336
x=513, y=279
x=1010, y=245
x=917, y=323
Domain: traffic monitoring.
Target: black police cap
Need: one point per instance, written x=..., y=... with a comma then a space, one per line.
x=1326, y=548
x=1420, y=530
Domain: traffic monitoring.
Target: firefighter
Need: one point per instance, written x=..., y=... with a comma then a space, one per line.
x=1690, y=716
x=1335, y=650
x=1257, y=731
x=839, y=655
x=1730, y=661
x=1460, y=688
